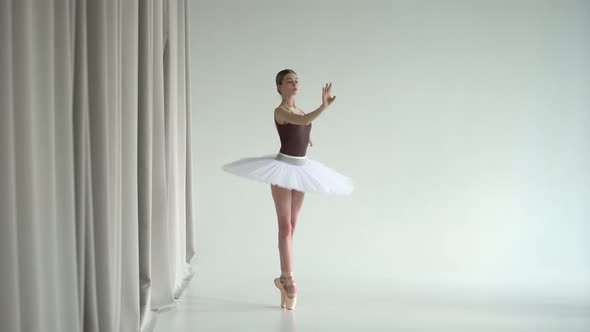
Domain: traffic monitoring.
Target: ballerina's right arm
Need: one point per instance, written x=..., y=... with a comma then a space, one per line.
x=284, y=116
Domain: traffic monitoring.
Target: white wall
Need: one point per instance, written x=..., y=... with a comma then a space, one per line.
x=465, y=126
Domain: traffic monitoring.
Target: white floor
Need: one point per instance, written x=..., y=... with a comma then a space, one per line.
x=240, y=304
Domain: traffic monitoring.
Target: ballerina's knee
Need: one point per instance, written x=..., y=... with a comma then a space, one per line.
x=285, y=229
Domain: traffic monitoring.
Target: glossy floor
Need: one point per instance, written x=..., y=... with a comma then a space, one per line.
x=239, y=304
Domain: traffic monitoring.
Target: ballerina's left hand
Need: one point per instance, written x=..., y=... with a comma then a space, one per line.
x=310, y=142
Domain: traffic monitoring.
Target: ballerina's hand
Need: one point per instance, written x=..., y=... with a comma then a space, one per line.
x=310, y=142
x=327, y=97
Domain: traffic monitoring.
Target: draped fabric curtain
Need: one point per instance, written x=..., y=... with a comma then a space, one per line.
x=96, y=229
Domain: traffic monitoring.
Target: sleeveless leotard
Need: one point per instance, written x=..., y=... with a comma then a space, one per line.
x=294, y=138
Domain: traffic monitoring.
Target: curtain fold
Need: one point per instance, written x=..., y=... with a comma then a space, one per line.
x=95, y=209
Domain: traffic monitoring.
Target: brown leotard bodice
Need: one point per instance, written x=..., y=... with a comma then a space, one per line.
x=294, y=138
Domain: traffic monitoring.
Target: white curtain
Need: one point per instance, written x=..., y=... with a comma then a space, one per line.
x=96, y=229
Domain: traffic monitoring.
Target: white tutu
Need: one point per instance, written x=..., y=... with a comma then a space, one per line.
x=299, y=173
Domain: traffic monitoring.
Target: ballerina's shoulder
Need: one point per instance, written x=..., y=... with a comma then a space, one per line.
x=285, y=115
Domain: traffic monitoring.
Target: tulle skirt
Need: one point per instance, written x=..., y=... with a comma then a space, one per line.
x=299, y=173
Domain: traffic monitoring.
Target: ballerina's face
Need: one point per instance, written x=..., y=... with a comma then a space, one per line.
x=290, y=85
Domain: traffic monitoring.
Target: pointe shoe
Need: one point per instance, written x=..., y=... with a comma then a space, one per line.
x=290, y=298
x=279, y=285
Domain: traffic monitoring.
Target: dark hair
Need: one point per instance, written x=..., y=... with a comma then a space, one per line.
x=281, y=75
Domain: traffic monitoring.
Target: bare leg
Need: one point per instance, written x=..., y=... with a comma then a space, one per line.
x=296, y=204
x=282, y=200
x=287, y=279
